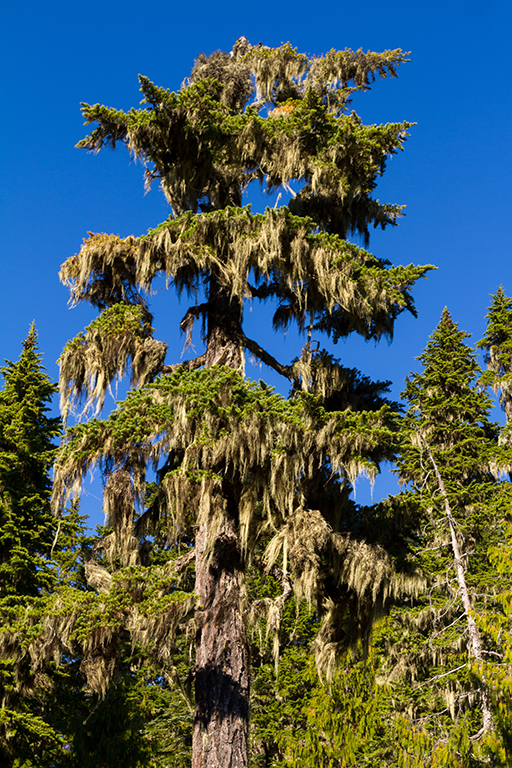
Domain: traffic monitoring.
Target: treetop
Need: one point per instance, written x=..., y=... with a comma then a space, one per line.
x=270, y=115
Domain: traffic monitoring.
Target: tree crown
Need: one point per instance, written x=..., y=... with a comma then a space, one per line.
x=26, y=455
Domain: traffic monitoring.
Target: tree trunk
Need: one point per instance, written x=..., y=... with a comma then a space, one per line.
x=221, y=721
x=223, y=344
x=222, y=672
x=474, y=635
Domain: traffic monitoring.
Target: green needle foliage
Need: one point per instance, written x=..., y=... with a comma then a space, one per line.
x=50, y=716
x=343, y=724
x=36, y=553
x=27, y=532
x=497, y=346
x=442, y=654
x=27, y=449
x=239, y=469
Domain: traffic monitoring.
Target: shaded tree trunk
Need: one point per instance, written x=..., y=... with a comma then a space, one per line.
x=221, y=721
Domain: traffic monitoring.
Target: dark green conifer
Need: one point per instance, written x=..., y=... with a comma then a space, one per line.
x=497, y=346
x=27, y=526
x=450, y=462
x=28, y=532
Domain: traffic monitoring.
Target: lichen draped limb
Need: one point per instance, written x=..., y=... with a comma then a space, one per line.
x=102, y=273
x=214, y=430
x=146, y=603
x=119, y=339
x=319, y=277
x=268, y=447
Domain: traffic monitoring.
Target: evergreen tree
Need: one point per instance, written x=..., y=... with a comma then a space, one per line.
x=345, y=723
x=498, y=624
x=47, y=716
x=27, y=526
x=455, y=506
x=29, y=550
x=497, y=346
x=241, y=472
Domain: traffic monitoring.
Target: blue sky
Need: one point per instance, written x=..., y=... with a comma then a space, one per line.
x=454, y=176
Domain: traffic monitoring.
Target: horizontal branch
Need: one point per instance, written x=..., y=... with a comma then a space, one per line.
x=187, y=365
x=445, y=674
x=193, y=313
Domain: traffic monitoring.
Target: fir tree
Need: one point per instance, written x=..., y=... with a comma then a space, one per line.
x=343, y=724
x=27, y=526
x=450, y=461
x=497, y=346
x=240, y=470
x=47, y=716
x=29, y=551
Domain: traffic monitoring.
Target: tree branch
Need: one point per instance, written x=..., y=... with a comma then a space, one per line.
x=266, y=357
x=194, y=313
x=438, y=677
x=187, y=365
x=181, y=563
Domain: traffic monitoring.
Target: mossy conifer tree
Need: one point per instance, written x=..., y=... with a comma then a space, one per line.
x=241, y=472
x=48, y=718
x=497, y=347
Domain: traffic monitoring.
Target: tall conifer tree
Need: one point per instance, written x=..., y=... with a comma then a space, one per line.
x=497, y=346
x=450, y=461
x=240, y=469
x=28, y=543
x=26, y=453
x=47, y=718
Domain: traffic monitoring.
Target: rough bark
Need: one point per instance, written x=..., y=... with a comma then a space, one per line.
x=222, y=673
x=224, y=337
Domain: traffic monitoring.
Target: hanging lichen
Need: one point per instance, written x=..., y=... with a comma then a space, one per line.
x=224, y=431
x=120, y=337
x=324, y=281
x=234, y=472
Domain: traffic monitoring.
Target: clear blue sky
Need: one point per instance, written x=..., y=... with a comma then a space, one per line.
x=454, y=175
